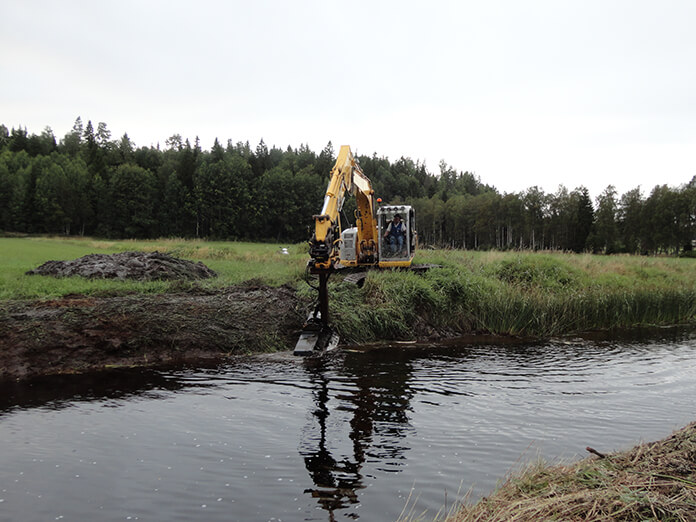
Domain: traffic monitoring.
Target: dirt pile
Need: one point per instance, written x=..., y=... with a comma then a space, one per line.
x=140, y=266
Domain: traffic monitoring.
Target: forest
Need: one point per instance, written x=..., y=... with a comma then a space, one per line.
x=90, y=184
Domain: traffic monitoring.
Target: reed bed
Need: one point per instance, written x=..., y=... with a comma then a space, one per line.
x=528, y=294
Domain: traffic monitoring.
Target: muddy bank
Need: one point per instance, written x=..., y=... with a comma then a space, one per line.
x=75, y=334
x=81, y=333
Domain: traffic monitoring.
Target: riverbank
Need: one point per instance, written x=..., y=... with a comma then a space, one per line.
x=80, y=333
x=652, y=481
x=259, y=301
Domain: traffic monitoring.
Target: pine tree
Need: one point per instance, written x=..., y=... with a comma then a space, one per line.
x=605, y=229
x=584, y=220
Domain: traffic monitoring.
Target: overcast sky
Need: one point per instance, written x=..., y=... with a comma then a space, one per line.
x=591, y=92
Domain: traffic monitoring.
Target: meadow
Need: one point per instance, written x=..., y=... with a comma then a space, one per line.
x=234, y=263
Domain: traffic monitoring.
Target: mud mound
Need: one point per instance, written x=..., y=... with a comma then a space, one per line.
x=140, y=266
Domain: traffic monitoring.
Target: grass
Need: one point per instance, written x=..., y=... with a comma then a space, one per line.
x=233, y=261
x=525, y=294
x=655, y=481
x=510, y=293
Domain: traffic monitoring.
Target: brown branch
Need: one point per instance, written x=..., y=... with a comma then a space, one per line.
x=595, y=452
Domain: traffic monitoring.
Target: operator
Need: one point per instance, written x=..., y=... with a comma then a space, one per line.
x=396, y=234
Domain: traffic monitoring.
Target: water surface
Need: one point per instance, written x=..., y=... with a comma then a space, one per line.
x=344, y=438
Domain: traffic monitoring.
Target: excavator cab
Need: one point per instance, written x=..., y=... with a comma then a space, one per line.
x=397, y=235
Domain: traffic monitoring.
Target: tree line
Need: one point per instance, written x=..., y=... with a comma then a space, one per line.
x=90, y=184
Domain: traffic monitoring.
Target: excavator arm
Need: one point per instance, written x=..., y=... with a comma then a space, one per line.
x=346, y=175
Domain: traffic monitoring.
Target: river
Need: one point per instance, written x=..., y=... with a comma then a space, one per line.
x=357, y=435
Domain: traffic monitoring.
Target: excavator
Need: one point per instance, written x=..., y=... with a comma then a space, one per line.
x=383, y=237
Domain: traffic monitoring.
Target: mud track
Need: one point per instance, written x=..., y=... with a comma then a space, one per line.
x=78, y=333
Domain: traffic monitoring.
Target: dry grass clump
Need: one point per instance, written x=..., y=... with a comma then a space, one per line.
x=654, y=481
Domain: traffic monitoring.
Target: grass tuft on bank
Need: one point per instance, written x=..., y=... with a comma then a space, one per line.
x=654, y=481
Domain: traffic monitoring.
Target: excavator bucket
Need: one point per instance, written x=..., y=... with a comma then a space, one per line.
x=315, y=338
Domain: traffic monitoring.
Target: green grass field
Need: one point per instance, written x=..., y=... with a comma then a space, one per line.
x=234, y=262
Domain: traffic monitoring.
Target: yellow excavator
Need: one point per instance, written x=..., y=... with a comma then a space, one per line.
x=381, y=238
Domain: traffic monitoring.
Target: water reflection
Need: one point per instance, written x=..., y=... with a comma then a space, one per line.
x=63, y=391
x=376, y=396
x=336, y=481
x=383, y=380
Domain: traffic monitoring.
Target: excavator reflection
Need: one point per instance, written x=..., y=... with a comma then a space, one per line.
x=378, y=419
x=336, y=481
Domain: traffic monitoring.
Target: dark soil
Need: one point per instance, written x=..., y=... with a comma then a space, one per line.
x=140, y=266
x=79, y=333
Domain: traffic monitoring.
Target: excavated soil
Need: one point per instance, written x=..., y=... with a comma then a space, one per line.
x=140, y=266
x=79, y=333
